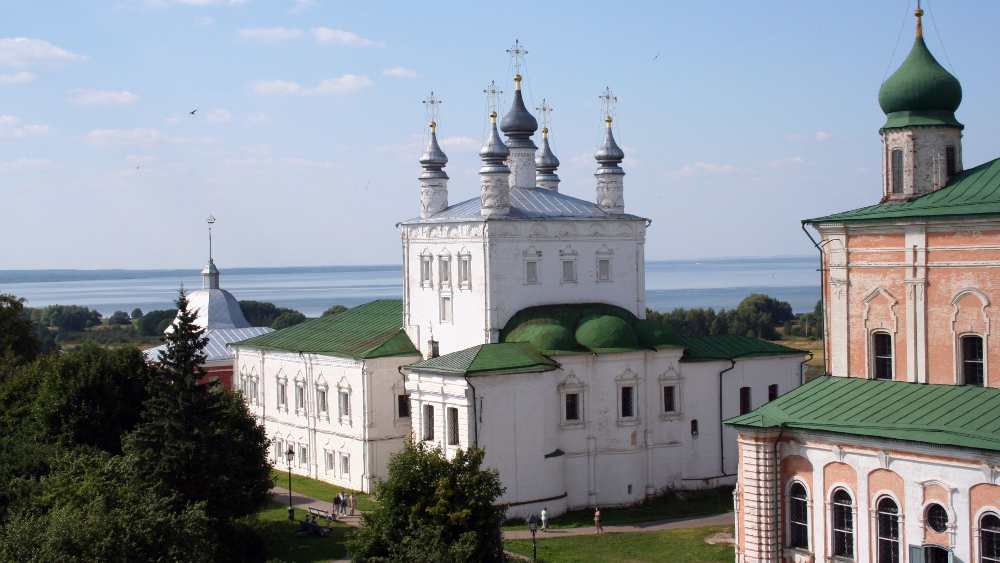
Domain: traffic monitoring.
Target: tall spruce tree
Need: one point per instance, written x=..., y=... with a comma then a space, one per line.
x=196, y=440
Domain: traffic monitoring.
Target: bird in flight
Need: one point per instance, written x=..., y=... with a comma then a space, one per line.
x=192, y=112
x=657, y=55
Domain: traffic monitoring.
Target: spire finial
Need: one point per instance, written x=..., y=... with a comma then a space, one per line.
x=544, y=110
x=492, y=97
x=431, y=105
x=608, y=101
x=210, y=221
x=517, y=52
x=918, y=12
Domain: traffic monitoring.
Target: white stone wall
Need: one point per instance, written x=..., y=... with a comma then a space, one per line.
x=519, y=419
x=924, y=164
x=366, y=434
x=498, y=251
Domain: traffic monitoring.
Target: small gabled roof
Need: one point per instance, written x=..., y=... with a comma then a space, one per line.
x=372, y=330
x=973, y=192
x=946, y=415
x=484, y=359
x=731, y=347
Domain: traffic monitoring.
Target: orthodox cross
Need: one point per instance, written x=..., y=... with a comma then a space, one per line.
x=210, y=221
x=517, y=52
x=492, y=94
x=608, y=101
x=431, y=105
x=544, y=110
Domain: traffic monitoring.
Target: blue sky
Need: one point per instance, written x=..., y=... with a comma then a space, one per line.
x=753, y=116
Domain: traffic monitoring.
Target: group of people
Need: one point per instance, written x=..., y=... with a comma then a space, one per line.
x=598, y=525
x=343, y=502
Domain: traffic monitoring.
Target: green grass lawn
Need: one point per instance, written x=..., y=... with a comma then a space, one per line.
x=279, y=534
x=669, y=546
x=666, y=506
x=320, y=490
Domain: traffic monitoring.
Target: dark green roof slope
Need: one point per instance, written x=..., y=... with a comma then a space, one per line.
x=947, y=415
x=586, y=327
x=372, y=330
x=519, y=357
x=920, y=92
x=730, y=347
x=972, y=192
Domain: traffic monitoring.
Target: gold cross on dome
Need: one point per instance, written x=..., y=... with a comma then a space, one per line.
x=544, y=110
x=431, y=104
x=492, y=95
x=608, y=101
x=517, y=52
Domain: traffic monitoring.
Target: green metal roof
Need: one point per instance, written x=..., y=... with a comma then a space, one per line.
x=372, y=330
x=585, y=327
x=730, y=347
x=947, y=415
x=972, y=192
x=511, y=357
x=920, y=92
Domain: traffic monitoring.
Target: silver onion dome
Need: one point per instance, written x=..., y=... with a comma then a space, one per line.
x=609, y=154
x=494, y=152
x=519, y=125
x=433, y=159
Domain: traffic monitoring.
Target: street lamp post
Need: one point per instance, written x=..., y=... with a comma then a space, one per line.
x=289, y=456
x=533, y=526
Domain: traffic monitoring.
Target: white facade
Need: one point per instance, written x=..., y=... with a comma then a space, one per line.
x=339, y=415
x=604, y=456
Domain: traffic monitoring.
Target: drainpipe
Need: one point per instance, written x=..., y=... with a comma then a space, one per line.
x=822, y=297
x=802, y=373
x=777, y=497
x=722, y=446
x=475, y=412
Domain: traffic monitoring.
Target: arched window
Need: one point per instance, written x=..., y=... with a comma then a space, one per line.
x=972, y=360
x=951, y=163
x=888, y=531
x=798, y=517
x=897, y=171
x=843, y=524
x=881, y=355
x=989, y=538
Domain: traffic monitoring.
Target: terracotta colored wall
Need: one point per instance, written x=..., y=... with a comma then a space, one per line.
x=882, y=313
x=840, y=473
x=224, y=373
x=798, y=467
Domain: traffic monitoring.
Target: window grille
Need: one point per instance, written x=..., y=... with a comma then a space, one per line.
x=404, y=405
x=798, y=518
x=669, y=399
x=972, y=360
x=937, y=518
x=572, y=406
x=428, y=422
x=843, y=524
x=746, y=405
x=628, y=402
x=882, y=356
x=989, y=538
x=897, y=171
x=888, y=531
x=452, y=426
x=951, y=161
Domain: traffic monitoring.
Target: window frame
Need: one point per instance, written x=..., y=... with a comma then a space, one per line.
x=563, y=262
x=928, y=520
x=452, y=419
x=446, y=309
x=427, y=422
x=672, y=389
x=444, y=270
x=605, y=278
x=322, y=401
x=950, y=161
x=964, y=362
x=630, y=392
x=849, y=533
x=572, y=386
x=875, y=357
x=402, y=398
x=301, y=406
x=344, y=403
x=281, y=394
x=806, y=508
x=892, y=538
x=981, y=533
x=303, y=456
x=426, y=269
x=464, y=271
x=345, y=466
x=746, y=400
x=897, y=164
x=527, y=272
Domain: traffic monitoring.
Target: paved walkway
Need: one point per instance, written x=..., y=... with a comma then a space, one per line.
x=653, y=526
x=302, y=503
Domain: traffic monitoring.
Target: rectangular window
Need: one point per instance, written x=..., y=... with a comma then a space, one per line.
x=253, y=390
x=897, y=171
x=669, y=399
x=628, y=402
x=951, y=161
x=445, y=270
x=972, y=360
x=329, y=462
x=303, y=455
x=745, y=403
x=321, y=400
x=428, y=422
x=282, y=399
x=569, y=270
x=300, y=397
x=772, y=392
x=452, y=426
x=403, y=401
x=531, y=271
x=345, y=404
x=345, y=466
x=445, y=309
x=425, y=270
x=572, y=406
x=882, y=355
x=603, y=270
x=464, y=271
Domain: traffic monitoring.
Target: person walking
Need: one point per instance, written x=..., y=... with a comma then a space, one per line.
x=597, y=520
x=545, y=519
x=352, y=502
x=336, y=505
x=343, y=503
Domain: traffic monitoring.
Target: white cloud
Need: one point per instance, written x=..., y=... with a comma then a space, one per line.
x=11, y=128
x=400, y=72
x=782, y=162
x=124, y=137
x=342, y=85
x=217, y=116
x=700, y=168
x=268, y=34
x=26, y=165
x=460, y=144
x=17, y=78
x=86, y=97
x=262, y=148
x=822, y=135
x=21, y=52
x=256, y=118
x=325, y=35
x=303, y=4
x=244, y=162
x=819, y=136
x=304, y=162
x=204, y=20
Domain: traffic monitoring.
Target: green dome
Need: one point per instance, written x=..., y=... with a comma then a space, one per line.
x=920, y=92
x=654, y=333
x=606, y=331
x=543, y=335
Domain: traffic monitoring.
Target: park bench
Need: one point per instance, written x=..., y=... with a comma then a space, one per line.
x=320, y=512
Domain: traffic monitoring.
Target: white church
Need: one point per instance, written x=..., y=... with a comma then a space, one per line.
x=521, y=331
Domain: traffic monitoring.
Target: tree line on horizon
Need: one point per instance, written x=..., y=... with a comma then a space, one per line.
x=757, y=316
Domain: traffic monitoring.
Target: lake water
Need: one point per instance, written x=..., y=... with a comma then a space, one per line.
x=718, y=283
